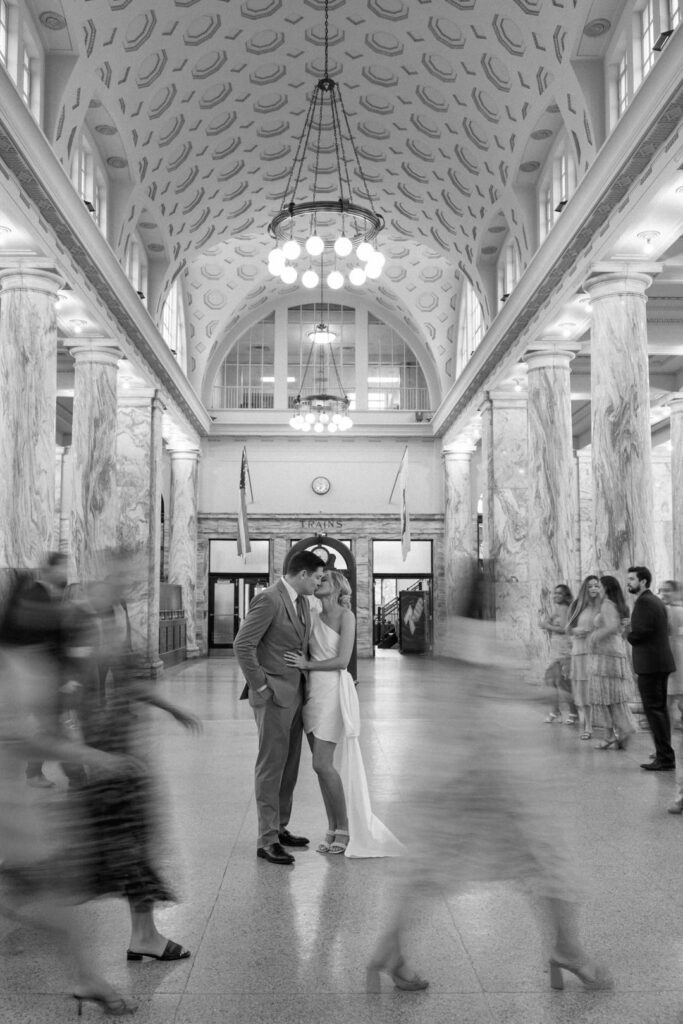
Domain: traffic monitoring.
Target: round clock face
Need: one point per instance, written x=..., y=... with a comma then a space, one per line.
x=321, y=485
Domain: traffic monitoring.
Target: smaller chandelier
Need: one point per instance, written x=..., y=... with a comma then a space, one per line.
x=326, y=239
x=321, y=413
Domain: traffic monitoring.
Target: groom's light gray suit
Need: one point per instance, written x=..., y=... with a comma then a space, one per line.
x=272, y=627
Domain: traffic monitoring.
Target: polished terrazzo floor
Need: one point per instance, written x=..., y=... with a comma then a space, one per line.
x=290, y=944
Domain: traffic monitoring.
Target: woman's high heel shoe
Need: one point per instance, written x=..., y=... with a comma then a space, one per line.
x=341, y=841
x=408, y=983
x=593, y=977
x=324, y=847
x=114, y=1007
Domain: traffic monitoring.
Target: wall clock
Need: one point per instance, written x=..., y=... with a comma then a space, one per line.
x=320, y=485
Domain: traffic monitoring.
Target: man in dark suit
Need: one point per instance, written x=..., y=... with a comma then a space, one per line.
x=652, y=663
x=278, y=621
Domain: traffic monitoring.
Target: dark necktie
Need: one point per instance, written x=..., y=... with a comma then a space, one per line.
x=300, y=609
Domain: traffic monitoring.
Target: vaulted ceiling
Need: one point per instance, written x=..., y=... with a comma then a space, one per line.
x=196, y=106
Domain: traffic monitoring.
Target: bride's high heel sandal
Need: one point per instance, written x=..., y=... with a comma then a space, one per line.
x=408, y=983
x=341, y=841
x=324, y=847
x=593, y=977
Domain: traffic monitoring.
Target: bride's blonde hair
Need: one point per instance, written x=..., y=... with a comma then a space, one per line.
x=341, y=586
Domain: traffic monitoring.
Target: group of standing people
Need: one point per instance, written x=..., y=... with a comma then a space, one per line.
x=590, y=667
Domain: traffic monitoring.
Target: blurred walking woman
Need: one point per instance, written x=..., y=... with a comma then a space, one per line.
x=582, y=612
x=610, y=683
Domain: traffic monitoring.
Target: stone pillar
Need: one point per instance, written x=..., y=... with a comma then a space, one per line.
x=585, y=533
x=183, y=546
x=460, y=538
x=506, y=500
x=60, y=451
x=138, y=478
x=28, y=393
x=551, y=490
x=94, y=505
x=662, y=562
x=365, y=640
x=620, y=415
x=676, y=409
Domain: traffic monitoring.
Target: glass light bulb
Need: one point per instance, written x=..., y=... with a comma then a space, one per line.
x=378, y=257
x=288, y=275
x=276, y=257
x=291, y=250
x=305, y=427
x=296, y=422
x=357, y=276
x=372, y=270
x=324, y=417
x=343, y=246
x=335, y=279
x=309, y=278
x=336, y=419
x=332, y=427
x=318, y=428
x=314, y=245
x=310, y=417
x=363, y=252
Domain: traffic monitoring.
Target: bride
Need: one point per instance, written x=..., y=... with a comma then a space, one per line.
x=332, y=724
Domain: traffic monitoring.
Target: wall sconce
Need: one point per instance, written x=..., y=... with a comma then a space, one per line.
x=78, y=325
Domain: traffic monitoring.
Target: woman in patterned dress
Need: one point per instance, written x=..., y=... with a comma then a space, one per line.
x=610, y=683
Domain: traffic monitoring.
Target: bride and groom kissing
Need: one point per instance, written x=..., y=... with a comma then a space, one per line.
x=293, y=648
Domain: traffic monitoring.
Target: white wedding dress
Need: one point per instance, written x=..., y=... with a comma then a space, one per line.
x=332, y=713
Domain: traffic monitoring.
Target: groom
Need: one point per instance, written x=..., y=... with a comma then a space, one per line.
x=278, y=621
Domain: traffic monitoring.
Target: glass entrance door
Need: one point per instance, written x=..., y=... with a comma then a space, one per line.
x=229, y=600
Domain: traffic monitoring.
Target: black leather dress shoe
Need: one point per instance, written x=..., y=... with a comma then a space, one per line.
x=657, y=766
x=287, y=839
x=275, y=854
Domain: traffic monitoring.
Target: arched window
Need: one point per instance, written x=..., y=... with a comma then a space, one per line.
x=135, y=265
x=470, y=326
x=363, y=357
x=173, y=323
x=89, y=178
x=557, y=185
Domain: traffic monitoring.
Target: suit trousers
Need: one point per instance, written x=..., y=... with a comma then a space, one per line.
x=652, y=689
x=280, y=731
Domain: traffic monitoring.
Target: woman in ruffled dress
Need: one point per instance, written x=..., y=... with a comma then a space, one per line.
x=558, y=672
x=611, y=684
x=580, y=624
x=332, y=724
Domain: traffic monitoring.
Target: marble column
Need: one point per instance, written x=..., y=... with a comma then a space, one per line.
x=183, y=546
x=551, y=490
x=506, y=502
x=28, y=393
x=620, y=417
x=460, y=537
x=60, y=452
x=94, y=505
x=138, y=480
x=662, y=540
x=676, y=410
x=585, y=532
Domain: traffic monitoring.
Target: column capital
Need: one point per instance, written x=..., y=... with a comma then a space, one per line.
x=94, y=350
x=179, y=451
x=502, y=398
x=612, y=277
x=675, y=403
x=459, y=453
x=30, y=278
x=549, y=356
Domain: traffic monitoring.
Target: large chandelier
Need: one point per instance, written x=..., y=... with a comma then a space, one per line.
x=321, y=412
x=325, y=237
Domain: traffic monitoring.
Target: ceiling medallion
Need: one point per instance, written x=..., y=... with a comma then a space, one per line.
x=52, y=20
x=332, y=237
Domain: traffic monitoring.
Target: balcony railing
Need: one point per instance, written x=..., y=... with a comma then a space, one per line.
x=379, y=399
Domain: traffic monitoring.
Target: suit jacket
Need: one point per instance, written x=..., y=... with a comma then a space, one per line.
x=649, y=636
x=271, y=627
